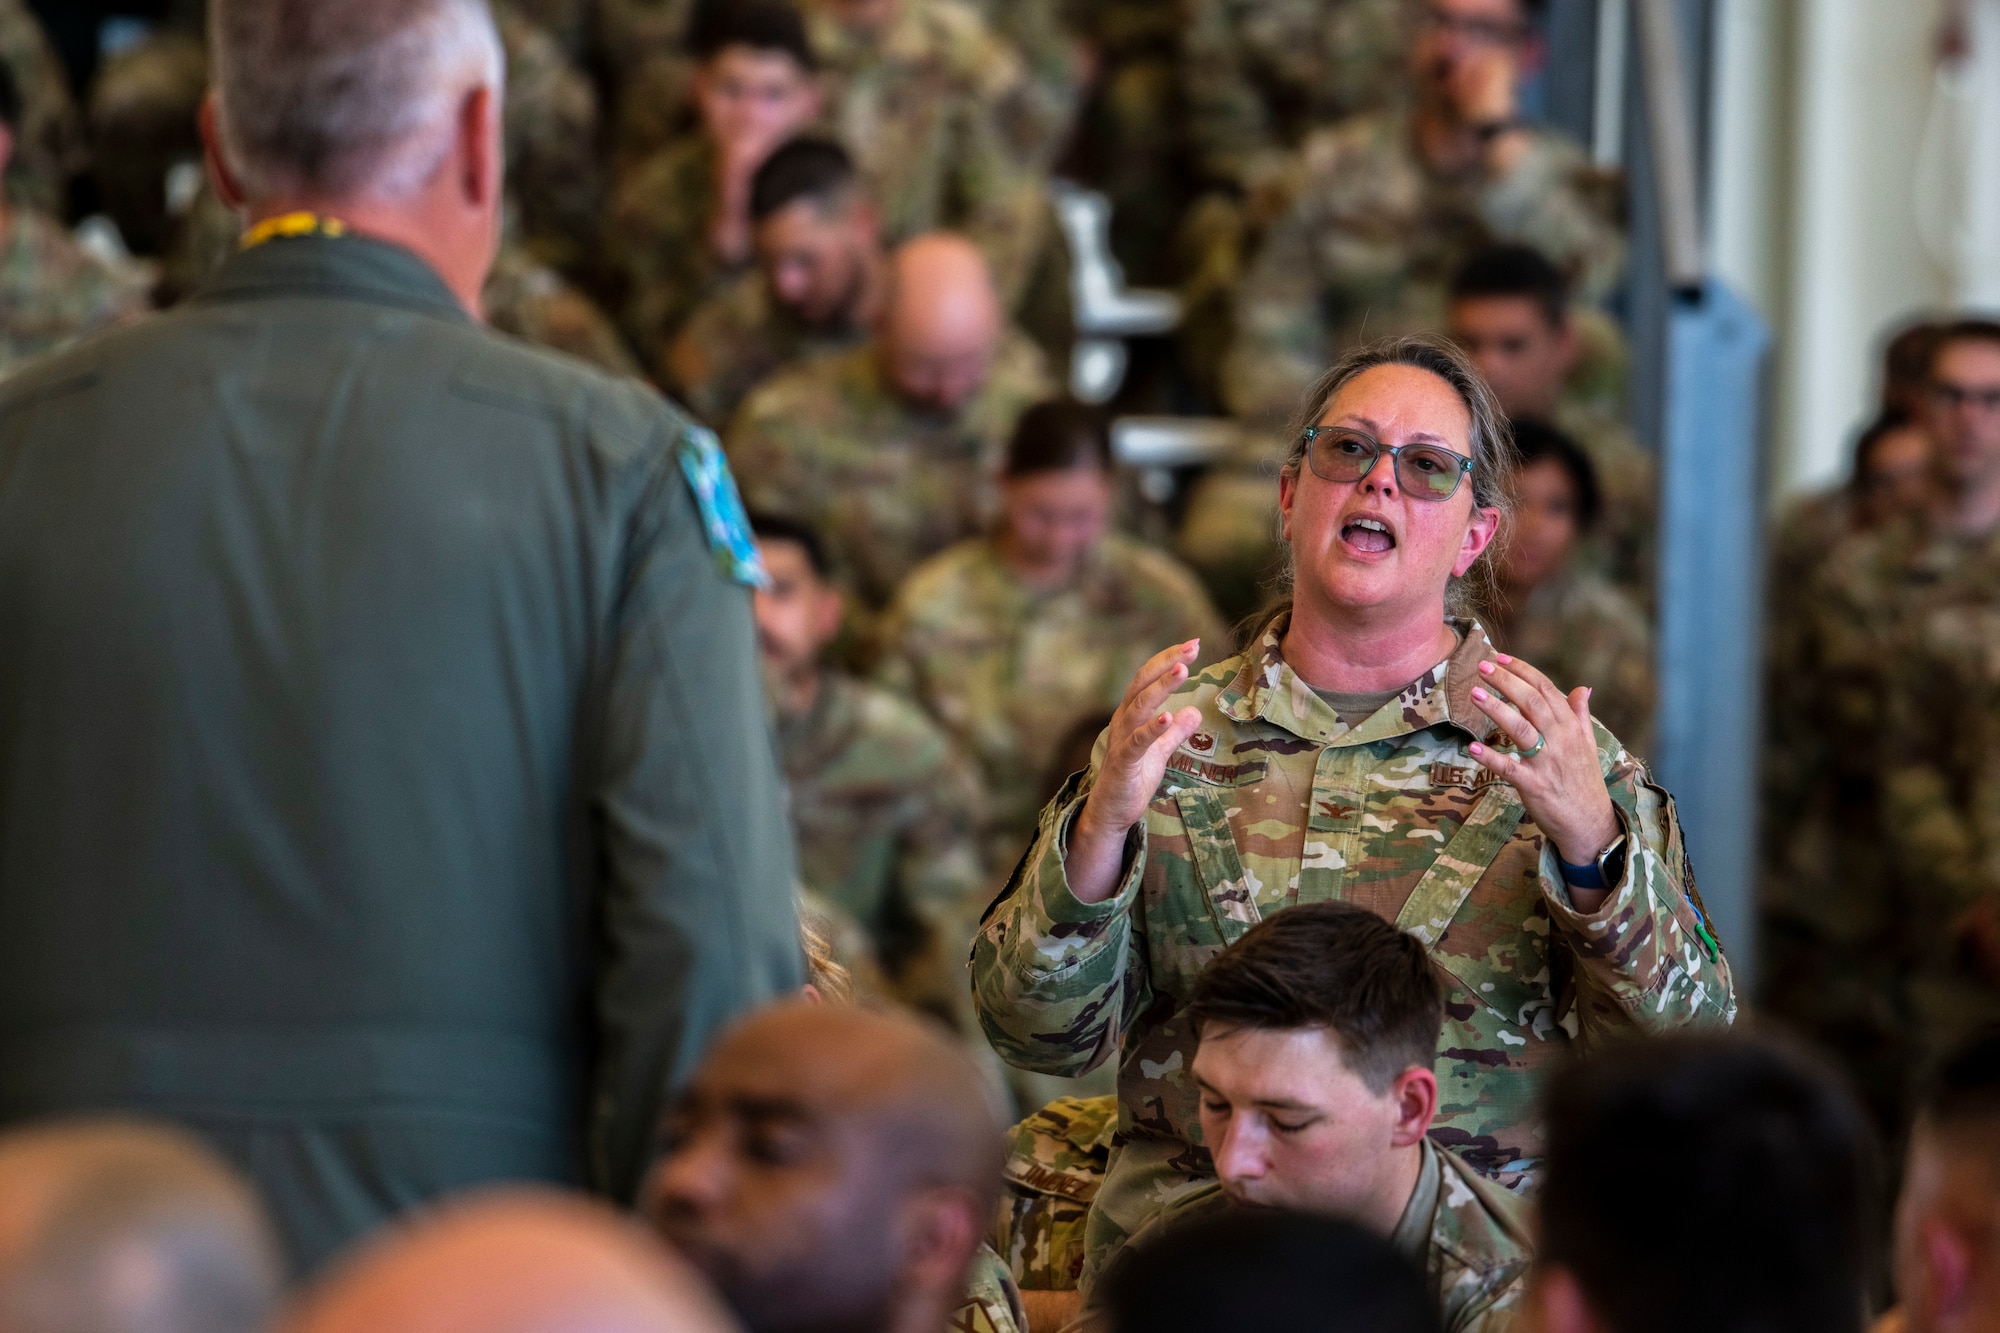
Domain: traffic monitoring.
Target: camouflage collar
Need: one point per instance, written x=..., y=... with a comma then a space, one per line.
x=1265, y=688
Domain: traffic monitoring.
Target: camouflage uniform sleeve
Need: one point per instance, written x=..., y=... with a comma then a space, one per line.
x=1495, y=1311
x=761, y=453
x=1055, y=980
x=1647, y=957
x=1545, y=202
x=992, y=1302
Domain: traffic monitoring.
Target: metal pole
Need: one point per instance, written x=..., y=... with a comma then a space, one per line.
x=1671, y=129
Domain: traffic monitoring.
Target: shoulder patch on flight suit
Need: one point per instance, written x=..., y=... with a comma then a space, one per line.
x=722, y=514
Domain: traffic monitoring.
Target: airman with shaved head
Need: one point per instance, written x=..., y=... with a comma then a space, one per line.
x=892, y=451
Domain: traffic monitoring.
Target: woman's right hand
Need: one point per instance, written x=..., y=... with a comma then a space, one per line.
x=1135, y=760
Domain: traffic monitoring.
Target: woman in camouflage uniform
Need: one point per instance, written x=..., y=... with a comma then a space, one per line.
x=1369, y=747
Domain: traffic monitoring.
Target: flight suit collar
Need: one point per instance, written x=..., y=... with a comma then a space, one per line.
x=1266, y=689
x=351, y=268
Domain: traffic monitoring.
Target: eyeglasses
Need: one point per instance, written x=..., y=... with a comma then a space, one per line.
x=1425, y=471
x=1951, y=397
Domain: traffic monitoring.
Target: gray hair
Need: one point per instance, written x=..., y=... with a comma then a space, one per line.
x=341, y=97
x=1492, y=442
x=137, y=1227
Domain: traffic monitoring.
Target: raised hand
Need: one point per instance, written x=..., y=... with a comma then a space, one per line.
x=1135, y=760
x=1561, y=782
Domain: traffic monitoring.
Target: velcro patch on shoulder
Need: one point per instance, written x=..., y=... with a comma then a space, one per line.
x=722, y=515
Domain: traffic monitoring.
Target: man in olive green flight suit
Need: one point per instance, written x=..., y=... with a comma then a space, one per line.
x=385, y=791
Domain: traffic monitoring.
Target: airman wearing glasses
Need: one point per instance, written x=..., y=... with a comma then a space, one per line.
x=1385, y=205
x=1371, y=747
x=1883, y=898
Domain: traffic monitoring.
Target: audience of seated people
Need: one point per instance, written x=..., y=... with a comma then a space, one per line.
x=679, y=226
x=886, y=813
x=931, y=515
x=1011, y=637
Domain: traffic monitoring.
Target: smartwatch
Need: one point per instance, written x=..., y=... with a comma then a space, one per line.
x=1608, y=869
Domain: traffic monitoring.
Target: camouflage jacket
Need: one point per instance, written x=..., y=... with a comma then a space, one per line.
x=1372, y=236
x=1470, y=1238
x=1056, y=1160
x=53, y=291
x=830, y=442
x=886, y=816
x=531, y=301
x=992, y=1301
x=49, y=143
x=1579, y=630
x=1260, y=75
x=1274, y=802
x=656, y=242
x=1052, y=56
x=938, y=113
x=1010, y=670
x=738, y=339
x=1624, y=546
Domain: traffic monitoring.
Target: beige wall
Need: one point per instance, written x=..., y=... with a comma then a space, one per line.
x=1822, y=108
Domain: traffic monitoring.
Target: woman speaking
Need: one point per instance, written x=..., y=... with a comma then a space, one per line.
x=1371, y=746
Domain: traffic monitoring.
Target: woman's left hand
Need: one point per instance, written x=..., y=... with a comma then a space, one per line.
x=1561, y=785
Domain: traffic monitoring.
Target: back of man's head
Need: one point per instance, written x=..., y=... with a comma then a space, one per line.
x=1334, y=966
x=1268, y=1270
x=1947, y=1248
x=337, y=98
x=513, y=1262
x=944, y=322
x=1712, y=1182
x=116, y=1227
x=1513, y=272
x=808, y=169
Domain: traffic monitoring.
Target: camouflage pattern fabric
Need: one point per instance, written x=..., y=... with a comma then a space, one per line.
x=551, y=126
x=938, y=114
x=1372, y=236
x=1051, y=54
x=532, y=301
x=1010, y=670
x=1262, y=74
x=885, y=484
x=1056, y=1160
x=1471, y=1239
x=49, y=144
x=656, y=242
x=1274, y=802
x=644, y=44
x=738, y=339
x=887, y=819
x=1881, y=816
x=52, y=291
x=1624, y=546
x=992, y=1302
x=1578, y=629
